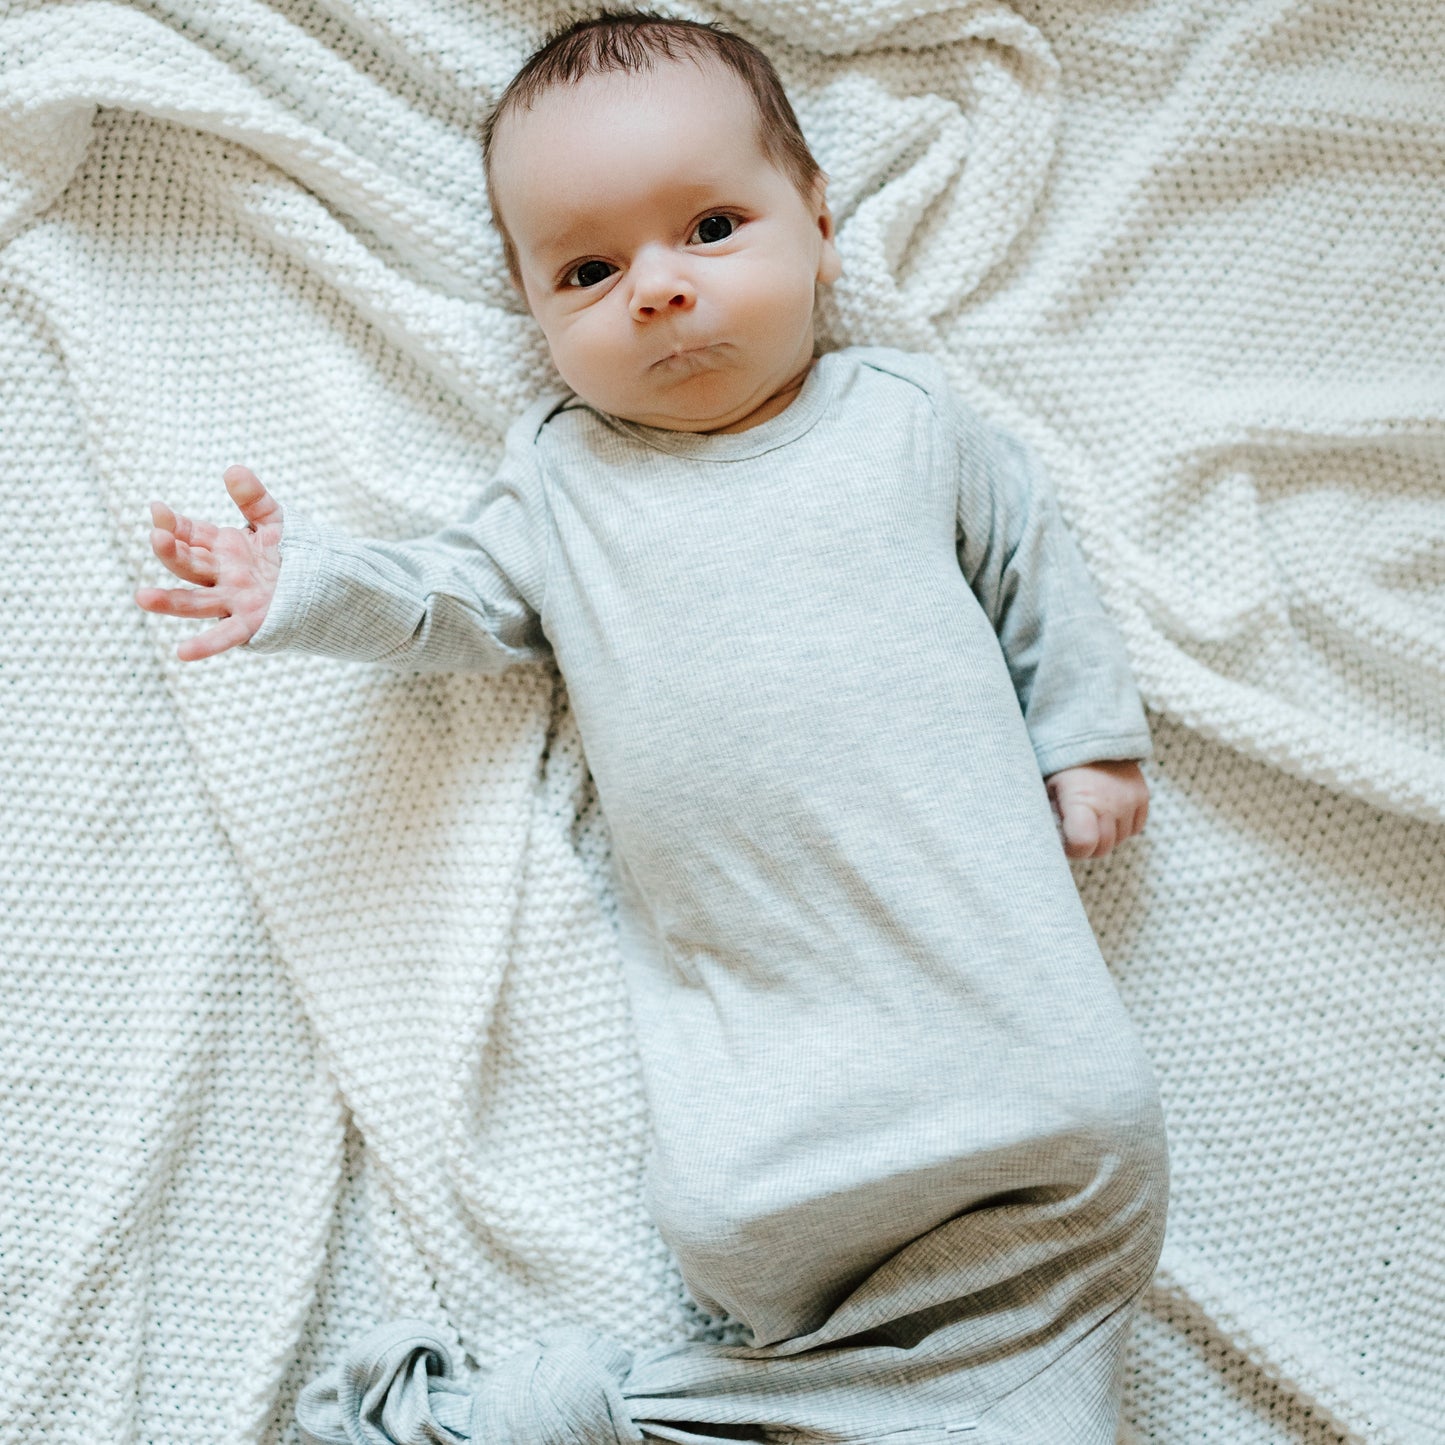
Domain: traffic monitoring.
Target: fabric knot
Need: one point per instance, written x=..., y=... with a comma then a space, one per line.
x=564, y=1390
x=399, y=1386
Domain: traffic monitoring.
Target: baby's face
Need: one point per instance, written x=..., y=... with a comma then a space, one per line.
x=670, y=264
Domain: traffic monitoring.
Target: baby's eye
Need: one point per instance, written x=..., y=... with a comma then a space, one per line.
x=589, y=273
x=714, y=228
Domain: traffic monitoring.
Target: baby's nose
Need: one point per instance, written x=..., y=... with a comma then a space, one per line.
x=676, y=302
x=658, y=286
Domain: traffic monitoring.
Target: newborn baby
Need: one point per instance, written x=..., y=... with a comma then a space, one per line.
x=826, y=639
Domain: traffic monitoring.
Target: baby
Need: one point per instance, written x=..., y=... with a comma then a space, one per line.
x=826, y=639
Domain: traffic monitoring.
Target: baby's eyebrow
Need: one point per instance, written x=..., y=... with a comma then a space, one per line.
x=582, y=227
x=559, y=243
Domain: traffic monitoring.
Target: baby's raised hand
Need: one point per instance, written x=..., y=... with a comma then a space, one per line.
x=1098, y=805
x=234, y=568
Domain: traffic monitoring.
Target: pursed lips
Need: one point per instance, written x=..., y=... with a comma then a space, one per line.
x=684, y=354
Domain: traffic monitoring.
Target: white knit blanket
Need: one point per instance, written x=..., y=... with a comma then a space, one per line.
x=311, y=1011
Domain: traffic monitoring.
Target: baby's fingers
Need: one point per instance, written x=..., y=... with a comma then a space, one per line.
x=1129, y=821
x=230, y=633
x=190, y=530
x=180, y=601
x=184, y=545
x=189, y=562
x=1141, y=816
x=1079, y=824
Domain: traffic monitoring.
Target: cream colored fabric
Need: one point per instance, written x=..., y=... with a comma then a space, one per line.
x=1186, y=250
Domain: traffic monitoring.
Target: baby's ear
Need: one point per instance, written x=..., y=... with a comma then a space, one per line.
x=830, y=263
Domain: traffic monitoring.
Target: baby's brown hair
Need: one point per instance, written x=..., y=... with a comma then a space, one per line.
x=636, y=40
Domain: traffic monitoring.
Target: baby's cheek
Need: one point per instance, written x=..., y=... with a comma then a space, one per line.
x=788, y=293
x=582, y=353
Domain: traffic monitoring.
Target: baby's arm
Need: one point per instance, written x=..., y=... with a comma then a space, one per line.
x=1063, y=651
x=461, y=599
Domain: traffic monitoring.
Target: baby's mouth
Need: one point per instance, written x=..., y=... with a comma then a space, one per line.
x=685, y=358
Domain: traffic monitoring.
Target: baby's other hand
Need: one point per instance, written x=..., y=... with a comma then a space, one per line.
x=1098, y=805
x=234, y=568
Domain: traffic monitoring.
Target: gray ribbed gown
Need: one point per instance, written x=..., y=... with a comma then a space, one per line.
x=819, y=669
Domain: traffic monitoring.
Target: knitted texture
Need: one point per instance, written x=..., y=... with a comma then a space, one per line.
x=311, y=1013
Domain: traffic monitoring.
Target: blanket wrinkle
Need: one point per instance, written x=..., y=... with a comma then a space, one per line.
x=834, y=29
x=103, y=55
x=1183, y=249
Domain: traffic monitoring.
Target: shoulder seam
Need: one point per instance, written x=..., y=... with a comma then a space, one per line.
x=929, y=393
x=902, y=373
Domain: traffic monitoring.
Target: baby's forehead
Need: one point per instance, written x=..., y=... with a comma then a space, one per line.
x=690, y=84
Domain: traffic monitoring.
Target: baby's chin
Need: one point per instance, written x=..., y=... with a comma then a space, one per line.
x=668, y=418
x=698, y=404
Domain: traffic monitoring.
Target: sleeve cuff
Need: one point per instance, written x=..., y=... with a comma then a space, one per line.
x=1054, y=757
x=301, y=547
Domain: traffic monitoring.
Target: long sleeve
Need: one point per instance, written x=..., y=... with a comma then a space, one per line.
x=467, y=598
x=1063, y=651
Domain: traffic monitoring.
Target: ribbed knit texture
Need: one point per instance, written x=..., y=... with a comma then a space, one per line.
x=310, y=1011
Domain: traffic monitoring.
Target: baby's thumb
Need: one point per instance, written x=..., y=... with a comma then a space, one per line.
x=257, y=505
x=1080, y=827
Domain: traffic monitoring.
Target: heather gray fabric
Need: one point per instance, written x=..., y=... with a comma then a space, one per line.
x=400, y=1384
x=902, y=1127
